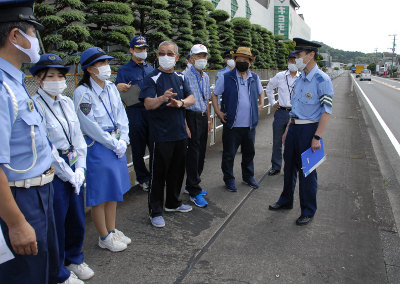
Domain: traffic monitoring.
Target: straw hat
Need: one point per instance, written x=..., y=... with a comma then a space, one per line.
x=244, y=52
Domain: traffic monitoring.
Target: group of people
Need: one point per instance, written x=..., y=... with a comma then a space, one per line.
x=51, y=144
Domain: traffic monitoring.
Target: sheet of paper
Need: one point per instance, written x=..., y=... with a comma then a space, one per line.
x=5, y=252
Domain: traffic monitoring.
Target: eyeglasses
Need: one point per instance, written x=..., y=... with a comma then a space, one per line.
x=170, y=54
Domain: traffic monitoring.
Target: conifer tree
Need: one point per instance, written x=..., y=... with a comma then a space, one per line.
x=199, y=17
x=225, y=30
x=215, y=60
x=182, y=33
x=242, y=32
x=110, y=24
x=65, y=33
x=269, y=42
x=258, y=47
x=281, y=52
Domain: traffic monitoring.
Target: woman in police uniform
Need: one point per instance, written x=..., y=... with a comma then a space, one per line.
x=104, y=122
x=69, y=163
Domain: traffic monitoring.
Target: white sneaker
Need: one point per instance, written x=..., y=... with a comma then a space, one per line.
x=83, y=271
x=145, y=186
x=73, y=279
x=121, y=237
x=112, y=243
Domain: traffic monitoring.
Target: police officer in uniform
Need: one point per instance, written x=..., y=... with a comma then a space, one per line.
x=26, y=192
x=129, y=75
x=311, y=109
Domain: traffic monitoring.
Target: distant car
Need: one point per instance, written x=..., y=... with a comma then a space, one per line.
x=365, y=75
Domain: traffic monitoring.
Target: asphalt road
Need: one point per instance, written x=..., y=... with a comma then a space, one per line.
x=236, y=239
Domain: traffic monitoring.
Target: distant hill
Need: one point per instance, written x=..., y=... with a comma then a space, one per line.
x=354, y=57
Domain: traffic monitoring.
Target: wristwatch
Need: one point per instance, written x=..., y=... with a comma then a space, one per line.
x=316, y=137
x=183, y=103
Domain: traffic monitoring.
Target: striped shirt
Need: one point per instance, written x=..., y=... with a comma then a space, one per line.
x=200, y=86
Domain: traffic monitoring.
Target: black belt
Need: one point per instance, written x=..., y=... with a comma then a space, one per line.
x=200, y=113
x=285, y=108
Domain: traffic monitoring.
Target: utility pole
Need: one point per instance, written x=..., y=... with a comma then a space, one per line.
x=393, y=49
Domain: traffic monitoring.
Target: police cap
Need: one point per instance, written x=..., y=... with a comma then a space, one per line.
x=229, y=52
x=18, y=11
x=48, y=60
x=292, y=54
x=138, y=41
x=92, y=55
x=302, y=44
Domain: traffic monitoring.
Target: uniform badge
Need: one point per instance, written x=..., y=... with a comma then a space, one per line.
x=85, y=108
x=308, y=95
x=31, y=106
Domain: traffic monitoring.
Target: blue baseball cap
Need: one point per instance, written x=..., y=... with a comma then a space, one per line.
x=138, y=41
x=92, y=55
x=228, y=53
x=292, y=54
x=18, y=11
x=48, y=60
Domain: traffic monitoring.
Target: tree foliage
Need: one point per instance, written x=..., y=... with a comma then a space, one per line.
x=215, y=60
x=225, y=30
x=242, y=32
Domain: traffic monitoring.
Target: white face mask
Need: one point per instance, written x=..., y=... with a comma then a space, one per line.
x=33, y=51
x=200, y=64
x=300, y=64
x=141, y=55
x=231, y=63
x=104, y=72
x=54, y=88
x=166, y=62
x=292, y=67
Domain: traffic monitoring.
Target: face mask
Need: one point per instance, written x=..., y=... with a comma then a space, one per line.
x=231, y=63
x=104, y=72
x=292, y=67
x=141, y=55
x=166, y=62
x=54, y=88
x=242, y=66
x=33, y=51
x=300, y=64
x=200, y=64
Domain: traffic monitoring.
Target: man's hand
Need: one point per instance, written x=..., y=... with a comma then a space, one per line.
x=209, y=126
x=168, y=95
x=122, y=87
x=221, y=115
x=315, y=144
x=276, y=105
x=23, y=239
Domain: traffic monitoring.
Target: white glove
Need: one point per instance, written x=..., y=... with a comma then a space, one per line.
x=74, y=181
x=79, y=179
x=120, y=149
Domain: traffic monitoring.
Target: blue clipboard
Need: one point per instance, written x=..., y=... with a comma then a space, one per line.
x=310, y=161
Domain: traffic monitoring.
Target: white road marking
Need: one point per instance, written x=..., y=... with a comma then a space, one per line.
x=388, y=132
x=386, y=84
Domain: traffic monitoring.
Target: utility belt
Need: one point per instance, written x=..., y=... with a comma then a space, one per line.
x=41, y=180
x=285, y=108
x=294, y=120
x=198, y=113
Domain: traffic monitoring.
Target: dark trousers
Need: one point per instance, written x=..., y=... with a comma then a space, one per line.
x=281, y=119
x=139, y=138
x=168, y=168
x=298, y=140
x=69, y=212
x=197, y=145
x=36, y=203
x=231, y=139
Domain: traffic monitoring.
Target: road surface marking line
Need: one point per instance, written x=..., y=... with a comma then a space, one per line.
x=389, y=133
x=386, y=84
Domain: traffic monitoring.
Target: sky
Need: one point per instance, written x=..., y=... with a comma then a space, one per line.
x=353, y=25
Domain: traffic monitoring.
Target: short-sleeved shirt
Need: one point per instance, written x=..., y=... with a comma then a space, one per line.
x=15, y=138
x=285, y=84
x=200, y=86
x=312, y=95
x=166, y=123
x=243, y=115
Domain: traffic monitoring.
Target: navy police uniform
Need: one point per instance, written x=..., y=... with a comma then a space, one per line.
x=133, y=73
x=312, y=97
x=25, y=158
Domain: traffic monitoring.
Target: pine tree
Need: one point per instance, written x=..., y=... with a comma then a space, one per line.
x=242, y=32
x=152, y=22
x=182, y=33
x=111, y=26
x=281, y=52
x=258, y=47
x=215, y=60
x=199, y=27
x=65, y=33
x=225, y=30
x=269, y=47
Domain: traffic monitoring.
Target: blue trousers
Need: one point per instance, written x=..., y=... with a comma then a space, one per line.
x=281, y=119
x=139, y=138
x=231, y=139
x=36, y=203
x=298, y=140
x=69, y=212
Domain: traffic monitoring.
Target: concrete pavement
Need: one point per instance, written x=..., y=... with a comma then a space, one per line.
x=236, y=239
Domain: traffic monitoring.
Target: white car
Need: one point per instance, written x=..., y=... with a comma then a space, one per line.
x=365, y=75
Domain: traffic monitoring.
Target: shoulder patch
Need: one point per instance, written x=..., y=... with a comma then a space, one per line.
x=85, y=108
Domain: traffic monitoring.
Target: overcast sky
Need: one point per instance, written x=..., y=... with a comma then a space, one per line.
x=353, y=25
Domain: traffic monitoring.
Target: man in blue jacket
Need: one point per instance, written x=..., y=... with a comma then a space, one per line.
x=240, y=90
